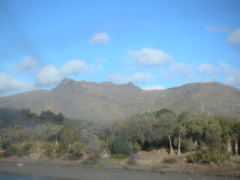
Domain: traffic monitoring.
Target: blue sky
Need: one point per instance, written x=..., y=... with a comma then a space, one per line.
x=155, y=44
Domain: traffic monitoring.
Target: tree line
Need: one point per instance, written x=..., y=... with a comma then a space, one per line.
x=23, y=132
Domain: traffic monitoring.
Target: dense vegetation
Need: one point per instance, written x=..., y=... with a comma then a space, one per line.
x=209, y=138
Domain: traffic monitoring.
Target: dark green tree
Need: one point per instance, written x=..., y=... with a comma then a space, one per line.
x=164, y=111
x=120, y=146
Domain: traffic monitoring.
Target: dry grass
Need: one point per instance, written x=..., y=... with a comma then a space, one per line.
x=151, y=158
x=2, y=154
x=170, y=160
x=161, y=161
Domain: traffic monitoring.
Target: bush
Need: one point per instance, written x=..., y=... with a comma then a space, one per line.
x=218, y=157
x=37, y=147
x=119, y=146
x=187, y=145
x=212, y=156
x=135, y=147
x=78, y=149
x=18, y=150
x=11, y=151
x=25, y=149
x=51, y=149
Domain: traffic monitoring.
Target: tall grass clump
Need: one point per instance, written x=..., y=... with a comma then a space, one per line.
x=209, y=156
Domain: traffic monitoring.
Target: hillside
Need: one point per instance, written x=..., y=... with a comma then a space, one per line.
x=108, y=101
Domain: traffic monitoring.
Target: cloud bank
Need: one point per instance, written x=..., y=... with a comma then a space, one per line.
x=51, y=75
x=48, y=75
x=44, y=75
x=234, y=80
x=140, y=77
x=207, y=69
x=8, y=83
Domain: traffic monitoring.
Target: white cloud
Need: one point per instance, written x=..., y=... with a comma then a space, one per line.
x=180, y=70
x=156, y=87
x=231, y=75
x=226, y=69
x=150, y=57
x=234, y=37
x=217, y=29
x=100, y=38
x=44, y=76
x=207, y=69
x=74, y=67
x=139, y=77
x=8, y=83
x=26, y=65
x=48, y=75
x=222, y=68
x=234, y=80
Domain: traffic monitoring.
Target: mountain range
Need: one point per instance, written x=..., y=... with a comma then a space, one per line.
x=108, y=101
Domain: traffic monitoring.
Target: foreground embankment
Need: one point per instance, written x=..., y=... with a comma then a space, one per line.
x=151, y=165
x=74, y=172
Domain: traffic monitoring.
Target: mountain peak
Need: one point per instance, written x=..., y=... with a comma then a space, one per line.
x=130, y=84
x=67, y=81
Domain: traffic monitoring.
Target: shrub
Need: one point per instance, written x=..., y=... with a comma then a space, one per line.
x=36, y=147
x=211, y=156
x=18, y=150
x=11, y=151
x=5, y=145
x=187, y=145
x=120, y=146
x=135, y=147
x=218, y=157
x=25, y=149
x=51, y=148
x=78, y=149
